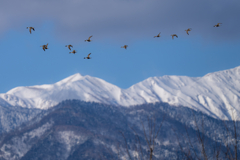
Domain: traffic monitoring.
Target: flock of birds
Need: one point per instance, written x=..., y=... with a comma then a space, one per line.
x=44, y=47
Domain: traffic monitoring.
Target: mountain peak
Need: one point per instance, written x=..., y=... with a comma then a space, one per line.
x=216, y=93
x=72, y=78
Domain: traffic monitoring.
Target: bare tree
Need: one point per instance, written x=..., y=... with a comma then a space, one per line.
x=232, y=140
x=229, y=147
x=151, y=133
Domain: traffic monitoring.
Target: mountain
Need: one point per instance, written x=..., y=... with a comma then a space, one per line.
x=216, y=94
x=90, y=131
x=11, y=116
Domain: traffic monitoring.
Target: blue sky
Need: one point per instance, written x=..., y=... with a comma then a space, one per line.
x=114, y=23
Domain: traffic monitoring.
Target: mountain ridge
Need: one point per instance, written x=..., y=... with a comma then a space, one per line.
x=217, y=93
x=85, y=130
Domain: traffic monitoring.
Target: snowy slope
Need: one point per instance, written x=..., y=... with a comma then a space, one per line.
x=216, y=94
x=85, y=88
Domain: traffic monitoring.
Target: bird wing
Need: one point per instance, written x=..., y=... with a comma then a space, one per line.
x=33, y=28
x=89, y=37
x=30, y=30
x=89, y=54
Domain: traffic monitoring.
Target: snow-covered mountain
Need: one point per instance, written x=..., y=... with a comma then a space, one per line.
x=75, y=130
x=216, y=94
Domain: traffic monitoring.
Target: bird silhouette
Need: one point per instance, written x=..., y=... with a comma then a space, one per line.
x=189, y=29
x=88, y=40
x=174, y=35
x=125, y=46
x=69, y=46
x=30, y=29
x=217, y=25
x=157, y=35
x=88, y=57
x=73, y=52
x=44, y=46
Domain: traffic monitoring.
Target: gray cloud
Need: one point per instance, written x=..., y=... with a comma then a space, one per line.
x=125, y=18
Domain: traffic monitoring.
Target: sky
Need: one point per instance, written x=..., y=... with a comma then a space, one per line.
x=114, y=23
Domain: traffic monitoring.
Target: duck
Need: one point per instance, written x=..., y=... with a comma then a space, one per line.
x=217, y=25
x=44, y=46
x=69, y=46
x=88, y=57
x=174, y=35
x=189, y=29
x=157, y=35
x=73, y=52
x=88, y=39
x=125, y=46
x=30, y=29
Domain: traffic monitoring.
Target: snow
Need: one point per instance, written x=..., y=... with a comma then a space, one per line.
x=39, y=131
x=21, y=144
x=70, y=139
x=215, y=93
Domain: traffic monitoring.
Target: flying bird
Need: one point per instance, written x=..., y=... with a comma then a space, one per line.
x=125, y=46
x=217, y=25
x=30, y=29
x=69, y=46
x=174, y=35
x=89, y=40
x=44, y=47
x=157, y=35
x=189, y=29
x=73, y=52
x=88, y=57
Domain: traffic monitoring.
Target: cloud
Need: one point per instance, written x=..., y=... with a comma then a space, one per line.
x=125, y=18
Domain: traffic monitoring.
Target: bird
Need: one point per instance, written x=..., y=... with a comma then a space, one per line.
x=69, y=46
x=125, y=46
x=217, y=25
x=88, y=39
x=174, y=35
x=73, y=52
x=157, y=35
x=88, y=57
x=44, y=47
x=189, y=29
x=30, y=29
